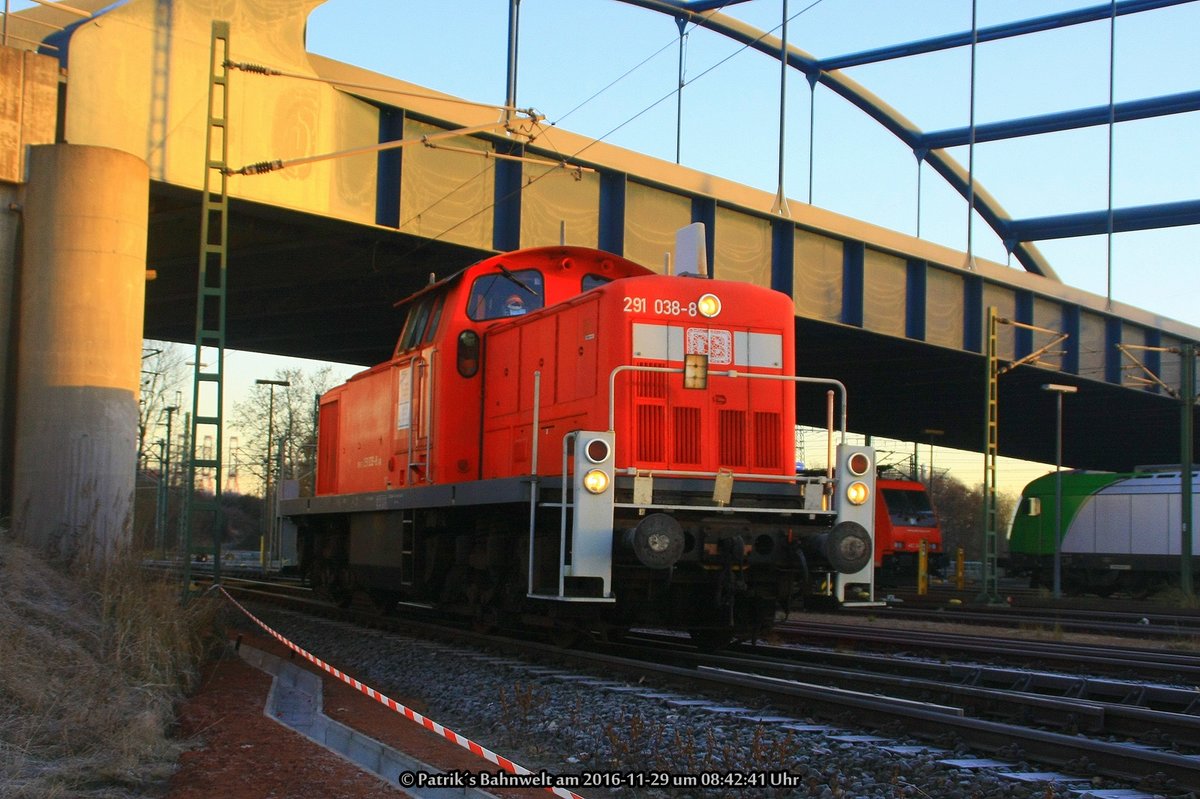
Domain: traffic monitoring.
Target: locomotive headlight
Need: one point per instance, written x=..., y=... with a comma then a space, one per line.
x=597, y=450
x=596, y=481
x=708, y=305
x=857, y=493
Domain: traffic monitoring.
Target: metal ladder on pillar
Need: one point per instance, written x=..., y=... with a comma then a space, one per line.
x=207, y=378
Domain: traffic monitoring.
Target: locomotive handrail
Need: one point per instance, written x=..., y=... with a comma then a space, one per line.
x=732, y=373
x=425, y=368
x=417, y=363
x=533, y=477
x=571, y=435
x=412, y=416
x=431, y=413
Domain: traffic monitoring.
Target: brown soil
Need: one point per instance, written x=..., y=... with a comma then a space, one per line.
x=239, y=753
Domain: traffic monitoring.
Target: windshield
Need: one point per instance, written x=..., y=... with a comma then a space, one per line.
x=505, y=294
x=909, y=507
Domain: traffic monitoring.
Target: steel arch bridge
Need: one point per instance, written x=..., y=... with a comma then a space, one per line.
x=899, y=319
x=1018, y=235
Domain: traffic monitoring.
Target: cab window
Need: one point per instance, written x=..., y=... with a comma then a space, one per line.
x=505, y=294
x=434, y=317
x=421, y=324
x=909, y=508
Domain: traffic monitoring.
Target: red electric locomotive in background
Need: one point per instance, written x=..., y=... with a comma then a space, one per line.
x=565, y=436
x=904, y=517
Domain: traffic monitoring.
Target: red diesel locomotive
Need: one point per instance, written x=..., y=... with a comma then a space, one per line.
x=565, y=437
x=904, y=517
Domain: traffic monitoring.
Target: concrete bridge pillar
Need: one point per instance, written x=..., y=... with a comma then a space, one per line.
x=79, y=344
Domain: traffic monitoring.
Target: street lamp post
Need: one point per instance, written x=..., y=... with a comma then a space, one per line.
x=1058, y=391
x=267, y=463
x=932, y=433
x=165, y=486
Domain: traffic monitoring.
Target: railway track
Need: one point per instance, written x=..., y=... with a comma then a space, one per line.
x=1139, y=621
x=1071, y=704
x=1131, y=731
x=1108, y=658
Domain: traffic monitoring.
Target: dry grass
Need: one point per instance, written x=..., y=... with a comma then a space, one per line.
x=91, y=666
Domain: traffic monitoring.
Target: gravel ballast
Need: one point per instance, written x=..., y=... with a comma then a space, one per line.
x=648, y=739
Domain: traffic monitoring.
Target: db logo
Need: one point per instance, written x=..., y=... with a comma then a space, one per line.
x=716, y=344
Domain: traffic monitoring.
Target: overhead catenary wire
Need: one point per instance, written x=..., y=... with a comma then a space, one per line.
x=683, y=33
x=593, y=141
x=79, y=12
x=690, y=81
x=263, y=167
x=429, y=140
x=575, y=169
x=262, y=69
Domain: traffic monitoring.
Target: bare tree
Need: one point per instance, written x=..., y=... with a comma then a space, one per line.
x=164, y=372
x=288, y=414
x=960, y=512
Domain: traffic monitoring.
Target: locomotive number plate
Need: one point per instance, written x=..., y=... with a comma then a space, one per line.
x=660, y=307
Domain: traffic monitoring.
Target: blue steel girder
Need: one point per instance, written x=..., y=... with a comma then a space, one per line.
x=1065, y=120
x=708, y=5
x=996, y=32
x=1017, y=237
x=1093, y=223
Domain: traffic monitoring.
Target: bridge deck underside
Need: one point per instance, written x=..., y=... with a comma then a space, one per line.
x=900, y=389
x=317, y=288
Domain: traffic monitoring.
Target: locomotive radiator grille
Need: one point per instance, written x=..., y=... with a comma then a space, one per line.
x=651, y=432
x=650, y=393
x=667, y=434
x=686, y=430
x=731, y=432
x=768, y=432
x=650, y=385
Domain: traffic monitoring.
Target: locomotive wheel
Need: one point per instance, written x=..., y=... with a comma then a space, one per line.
x=711, y=639
x=566, y=637
x=384, y=601
x=611, y=634
x=337, y=584
x=486, y=621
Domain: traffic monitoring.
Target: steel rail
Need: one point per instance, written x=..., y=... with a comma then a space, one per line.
x=1102, y=622
x=1161, y=663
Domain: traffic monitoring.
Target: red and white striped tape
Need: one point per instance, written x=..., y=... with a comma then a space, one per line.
x=407, y=712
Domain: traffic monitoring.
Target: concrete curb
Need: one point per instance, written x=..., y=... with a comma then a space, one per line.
x=295, y=701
